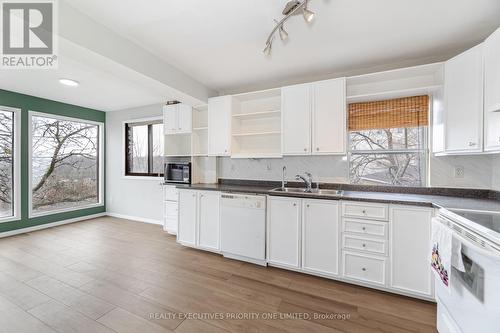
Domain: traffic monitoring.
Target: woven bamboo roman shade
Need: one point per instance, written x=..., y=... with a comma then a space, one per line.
x=393, y=113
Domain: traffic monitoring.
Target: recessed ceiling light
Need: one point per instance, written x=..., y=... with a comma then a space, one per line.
x=69, y=82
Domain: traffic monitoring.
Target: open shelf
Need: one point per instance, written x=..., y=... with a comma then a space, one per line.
x=256, y=125
x=257, y=133
x=260, y=114
x=398, y=83
x=200, y=131
x=383, y=95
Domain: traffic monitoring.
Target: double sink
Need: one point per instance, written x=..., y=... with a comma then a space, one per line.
x=332, y=193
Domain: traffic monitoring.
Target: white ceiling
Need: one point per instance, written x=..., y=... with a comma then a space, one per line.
x=219, y=42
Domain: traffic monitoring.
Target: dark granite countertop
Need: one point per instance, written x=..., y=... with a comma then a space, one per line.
x=465, y=199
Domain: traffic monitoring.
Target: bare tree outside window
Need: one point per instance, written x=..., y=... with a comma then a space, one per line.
x=394, y=156
x=6, y=163
x=144, y=149
x=65, y=164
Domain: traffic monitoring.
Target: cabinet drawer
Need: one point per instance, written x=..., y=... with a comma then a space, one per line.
x=170, y=193
x=365, y=268
x=171, y=210
x=366, y=210
x=363, y=227
x=375, y=246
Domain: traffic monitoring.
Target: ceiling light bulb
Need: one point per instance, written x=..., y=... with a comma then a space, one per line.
x=283, y=33
x=308, y=15
x=69, y=82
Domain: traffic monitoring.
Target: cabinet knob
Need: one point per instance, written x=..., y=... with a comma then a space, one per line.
x=294, y=205
x=307, y=205
x=364, y=245
x=363, y=269
x=305, y=149
x=364, y=228
x=317, y=148
x=472, y=144
x=364, y=211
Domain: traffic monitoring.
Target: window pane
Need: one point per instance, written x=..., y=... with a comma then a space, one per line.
x=6, y=163
x=137, y=148
x=64, y=164
x=157, y=148
x=388, y=139
x=402, y=169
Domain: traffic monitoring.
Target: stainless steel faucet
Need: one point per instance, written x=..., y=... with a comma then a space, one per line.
x=283, y=176
x=307, y=181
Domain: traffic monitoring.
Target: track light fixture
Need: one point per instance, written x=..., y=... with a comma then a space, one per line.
x=294, y=7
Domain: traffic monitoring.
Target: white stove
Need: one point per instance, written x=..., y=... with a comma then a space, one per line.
x=472, y=303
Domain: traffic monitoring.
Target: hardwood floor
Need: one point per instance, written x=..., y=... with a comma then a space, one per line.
x=112, y=275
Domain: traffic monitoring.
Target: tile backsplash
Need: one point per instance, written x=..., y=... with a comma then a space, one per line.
x=479, y=171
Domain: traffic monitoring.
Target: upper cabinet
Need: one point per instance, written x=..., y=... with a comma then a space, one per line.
x=492, y=91
x=463, y=94
x=219, y=125
x=329, y=117
x=177, y=119
x=296, y=112
x=314, y=118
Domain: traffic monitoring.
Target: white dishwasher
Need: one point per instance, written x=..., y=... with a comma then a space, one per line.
x=243, y=227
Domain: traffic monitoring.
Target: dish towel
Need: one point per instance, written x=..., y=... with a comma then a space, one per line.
x=441, y=252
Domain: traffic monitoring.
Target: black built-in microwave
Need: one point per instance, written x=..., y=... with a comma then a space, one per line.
x=179, y=173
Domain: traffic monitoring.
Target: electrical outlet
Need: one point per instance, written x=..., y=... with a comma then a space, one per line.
x=459, y=172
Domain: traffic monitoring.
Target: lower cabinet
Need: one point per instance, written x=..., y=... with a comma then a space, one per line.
x=186, y=231
x=320, y=237
x=410, y=237
x=199, y=219
x=208, y=220
x=303, y=235
x=387, y=250
x=283, y=231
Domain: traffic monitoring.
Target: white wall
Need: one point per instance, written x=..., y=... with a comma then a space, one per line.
x=478, y=169
x=139, y=199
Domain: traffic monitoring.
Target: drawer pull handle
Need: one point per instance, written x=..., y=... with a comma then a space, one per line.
x=364, y=228
x=294, y=205
x=364, y=211
x=307, y=205
x=364, y=245
x=363, y=269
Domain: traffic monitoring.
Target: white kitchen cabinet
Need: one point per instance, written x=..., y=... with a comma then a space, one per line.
x=296, y=119
x=410, y=237
x=186, y=233
x=171, y=209
x=283, y=233
x=463, y=89
x=208, y=220
x=199, y=219
x=320, y=237
x=329, y=117
x=219, y=125
x=177, y=119
x=492, y=91
x=314, y=118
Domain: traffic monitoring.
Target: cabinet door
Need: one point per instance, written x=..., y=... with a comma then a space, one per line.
x=464, y=102
x=320, y=237
x=170, y=118
x=410, y=236
x=296, y=119
x=329, y=117
x=184, y=118
x=219, y=126
x=492, y=91
x=283, y=222
x=186, y=233
x=208, y=220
